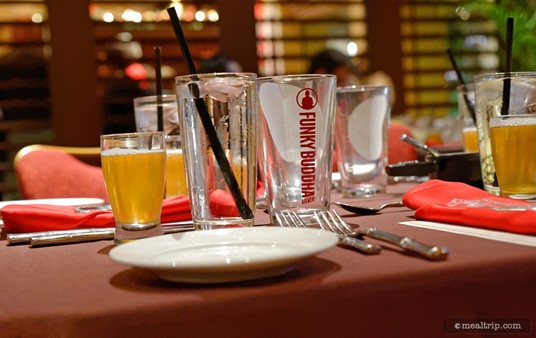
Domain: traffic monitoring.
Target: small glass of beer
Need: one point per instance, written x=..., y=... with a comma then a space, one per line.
x=514, y=154
x=134, y=167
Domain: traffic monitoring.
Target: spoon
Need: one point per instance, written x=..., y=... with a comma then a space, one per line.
x=368, y=210
x=420, y=145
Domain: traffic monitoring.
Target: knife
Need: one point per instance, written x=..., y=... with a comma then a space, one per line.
x=82, y=235
x=435, y=253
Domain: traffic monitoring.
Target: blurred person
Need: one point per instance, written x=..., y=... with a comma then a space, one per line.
x=331, y=61
x=218, y=63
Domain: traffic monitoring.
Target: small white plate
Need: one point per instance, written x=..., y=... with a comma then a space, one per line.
x=224, y=255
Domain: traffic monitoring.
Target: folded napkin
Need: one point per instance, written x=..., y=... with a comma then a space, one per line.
x=459, y=203
x=44, y=217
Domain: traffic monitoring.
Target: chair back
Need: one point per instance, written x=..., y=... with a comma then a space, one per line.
x=400, y=151
x=45, y=171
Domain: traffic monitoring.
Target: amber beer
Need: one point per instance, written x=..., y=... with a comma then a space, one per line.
x=514, y=154
x=175, y=174
x=470, y=139
x=135, y=197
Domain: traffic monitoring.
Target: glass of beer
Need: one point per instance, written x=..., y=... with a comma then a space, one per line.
x=495, y=95
x=514, y=155
x=175, y=171
x=146, y=116
x=134, y=168
x=466, y=107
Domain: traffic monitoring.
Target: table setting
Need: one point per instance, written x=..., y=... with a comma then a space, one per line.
x=320, y=289
x=261, y=242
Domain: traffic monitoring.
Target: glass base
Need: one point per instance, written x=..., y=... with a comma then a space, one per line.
x=139, y=227
x=528, y=197
x=492, y=189
x=122, y=236
x=222, y=223
x=363, y=191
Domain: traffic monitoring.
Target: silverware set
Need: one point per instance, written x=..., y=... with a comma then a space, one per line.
x=351, y=237
x=326, y=220
x=35, y=239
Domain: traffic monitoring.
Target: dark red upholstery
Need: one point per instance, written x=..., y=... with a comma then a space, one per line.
x=398, y=150
x=56, y=174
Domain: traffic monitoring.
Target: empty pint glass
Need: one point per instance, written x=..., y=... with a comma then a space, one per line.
x=361, y=129
x=297, y=121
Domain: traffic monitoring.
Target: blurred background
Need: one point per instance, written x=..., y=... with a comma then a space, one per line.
x=69, y=69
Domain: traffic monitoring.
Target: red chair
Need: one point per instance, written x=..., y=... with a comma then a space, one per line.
x=398, y=150
x=45, y=171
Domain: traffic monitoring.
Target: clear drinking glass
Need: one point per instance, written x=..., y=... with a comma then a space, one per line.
x=231, y=103
x=297, y=119
x=145, y=114
x=361, y=139
x=521, y=98
x=466, y=107
x=134, y=167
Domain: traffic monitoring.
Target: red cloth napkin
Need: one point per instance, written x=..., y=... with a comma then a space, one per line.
x=459, y=203
x=44, y=217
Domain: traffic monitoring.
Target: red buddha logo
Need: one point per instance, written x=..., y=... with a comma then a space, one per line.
x=307, y=98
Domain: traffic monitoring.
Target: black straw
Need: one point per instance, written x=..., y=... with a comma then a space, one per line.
x=243, y=208
x=470, y=106
x=507, y=81
x=158, y=73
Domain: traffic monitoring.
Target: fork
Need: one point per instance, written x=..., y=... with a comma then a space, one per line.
x=434, y=253
x=287, y=218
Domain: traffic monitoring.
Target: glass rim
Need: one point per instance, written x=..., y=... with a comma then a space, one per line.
x=361, y=88
x=206, y=76
x=294, y=77
x=132, y=135
x=513, y=116
x=502, y=75
x=154, y=97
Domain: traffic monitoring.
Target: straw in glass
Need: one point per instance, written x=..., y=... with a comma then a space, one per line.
x=507, y=81
x=158, y=74
x=243, y=208
x=470, y=107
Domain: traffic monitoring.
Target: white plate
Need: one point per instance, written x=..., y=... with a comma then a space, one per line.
x=224, y=255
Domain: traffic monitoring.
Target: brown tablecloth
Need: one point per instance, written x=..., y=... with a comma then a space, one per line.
x=77, y=290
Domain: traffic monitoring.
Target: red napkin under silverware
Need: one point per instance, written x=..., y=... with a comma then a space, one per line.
x=459, y=203
x=44, y=217
x=20, y=218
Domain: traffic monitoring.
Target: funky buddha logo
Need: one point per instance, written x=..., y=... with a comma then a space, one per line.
x=307, y=99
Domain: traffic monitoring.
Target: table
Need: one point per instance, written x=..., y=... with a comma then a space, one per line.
x=78, y=291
